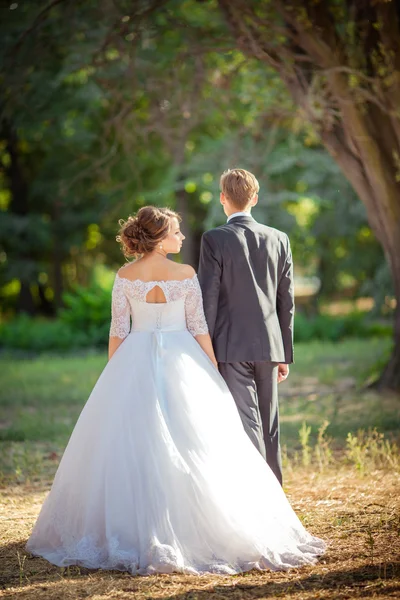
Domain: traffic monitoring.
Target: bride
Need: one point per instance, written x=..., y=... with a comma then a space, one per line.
x=159, y=474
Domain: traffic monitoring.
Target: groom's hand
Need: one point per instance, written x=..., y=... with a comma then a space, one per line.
x=283, y=372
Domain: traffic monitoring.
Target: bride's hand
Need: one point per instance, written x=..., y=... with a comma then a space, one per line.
x=283, y=372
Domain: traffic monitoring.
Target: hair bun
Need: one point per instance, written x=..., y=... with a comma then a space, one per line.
x=132, y=228
x=139, y=229
x=141, y=233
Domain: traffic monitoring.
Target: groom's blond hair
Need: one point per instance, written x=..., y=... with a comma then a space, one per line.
x=239, y=186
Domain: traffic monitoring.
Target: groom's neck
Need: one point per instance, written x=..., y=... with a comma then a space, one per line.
x=232, y=211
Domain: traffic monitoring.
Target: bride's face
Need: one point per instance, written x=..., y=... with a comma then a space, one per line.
x=172, y=244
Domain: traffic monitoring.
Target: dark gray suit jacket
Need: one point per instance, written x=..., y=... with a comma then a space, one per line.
x=246, y=277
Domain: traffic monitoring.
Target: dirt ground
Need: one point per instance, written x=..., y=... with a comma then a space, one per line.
x=358, y=516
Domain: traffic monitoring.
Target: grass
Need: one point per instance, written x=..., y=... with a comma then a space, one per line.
x=342, y=475
x=328, y=382
x=41, y=398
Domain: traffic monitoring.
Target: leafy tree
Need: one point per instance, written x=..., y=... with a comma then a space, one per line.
x=61, y=155
x=303, y=192
x=340, y=61
x=49, y=136
x=150, y=105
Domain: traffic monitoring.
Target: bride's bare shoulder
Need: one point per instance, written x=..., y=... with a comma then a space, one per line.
x=128, y=270
x=170, y=270
x=185, y=271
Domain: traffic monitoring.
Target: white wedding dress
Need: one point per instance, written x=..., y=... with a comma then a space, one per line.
x=159, y=474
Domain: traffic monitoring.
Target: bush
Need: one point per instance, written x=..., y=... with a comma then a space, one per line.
x=88, y=310
x=86, y=306
x=84, y=322
x=332, y=328
x=27, y=333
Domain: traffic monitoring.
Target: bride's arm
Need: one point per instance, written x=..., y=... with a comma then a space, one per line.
x=120, y=317
x=205, y=342
x=113, y=345
x=195, y=318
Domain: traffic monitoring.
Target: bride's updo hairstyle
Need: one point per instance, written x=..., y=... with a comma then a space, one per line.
x=142, y=232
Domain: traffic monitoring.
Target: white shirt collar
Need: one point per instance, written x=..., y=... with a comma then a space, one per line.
x=239, y=214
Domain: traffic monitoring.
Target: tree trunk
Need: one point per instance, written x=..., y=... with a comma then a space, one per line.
x=361, y=156
x=25, y=303
x=46, y=307
x=18, y=206
x=57, y=277
x=188, y=247
x=390, y=378
x=58, y=281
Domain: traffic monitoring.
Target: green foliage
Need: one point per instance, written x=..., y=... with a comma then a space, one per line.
x=27, y=333
x=139, y=110
x=381, y=288
x=304, y=437
x=84, y=322
x=367, y=451
x=58, y=146
x=323, y=451
x=302, y=192
x=88, y=309
x=370, y=450
x=39, y=334
x=335, y=328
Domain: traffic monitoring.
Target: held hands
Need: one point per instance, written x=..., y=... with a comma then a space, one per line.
x=283, y=372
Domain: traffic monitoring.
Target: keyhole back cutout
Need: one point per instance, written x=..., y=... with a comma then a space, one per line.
x=156, y=296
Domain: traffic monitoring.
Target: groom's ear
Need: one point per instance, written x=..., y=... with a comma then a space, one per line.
x=254, y=200
x=222, y=198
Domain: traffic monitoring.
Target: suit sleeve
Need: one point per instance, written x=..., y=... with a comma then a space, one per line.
x=285, y=303
x=209, y=275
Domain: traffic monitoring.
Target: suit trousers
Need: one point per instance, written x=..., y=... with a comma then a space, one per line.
x=254, y=387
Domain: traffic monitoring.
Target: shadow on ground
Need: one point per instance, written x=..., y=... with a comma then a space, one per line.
x=34, y=577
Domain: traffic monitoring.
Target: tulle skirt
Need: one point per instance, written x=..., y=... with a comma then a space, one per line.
x=159, y=475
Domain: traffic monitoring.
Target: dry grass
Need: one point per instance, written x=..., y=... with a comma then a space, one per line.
x=360, y=516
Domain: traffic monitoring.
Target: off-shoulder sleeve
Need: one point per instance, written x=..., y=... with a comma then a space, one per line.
x=195, y=319
x=120, y=311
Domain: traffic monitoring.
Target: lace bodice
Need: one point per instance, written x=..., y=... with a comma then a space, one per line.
x=183, y=307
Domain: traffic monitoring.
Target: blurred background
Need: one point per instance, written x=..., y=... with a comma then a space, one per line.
x=108, y=106
x=105, y=109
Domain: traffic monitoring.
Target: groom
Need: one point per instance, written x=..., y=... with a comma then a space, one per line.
x=246, y=276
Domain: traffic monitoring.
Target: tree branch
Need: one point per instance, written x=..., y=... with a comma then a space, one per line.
x=40, y=17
